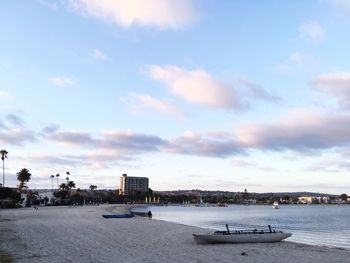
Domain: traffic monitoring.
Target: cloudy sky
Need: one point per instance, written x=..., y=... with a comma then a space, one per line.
x=198, y=94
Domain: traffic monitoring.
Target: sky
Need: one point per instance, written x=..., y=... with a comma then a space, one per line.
x=194, y=94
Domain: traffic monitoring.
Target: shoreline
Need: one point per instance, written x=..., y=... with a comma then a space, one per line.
x=80, y=234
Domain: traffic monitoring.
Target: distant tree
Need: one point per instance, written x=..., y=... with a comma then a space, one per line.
x=113, y=197
x=295, y=200
x=245, y=195
x=3, y=154
x=57, y=175
x=67, y=178
x=32, y=198
x=286, y=197
x=23, y=176
x=11, y=194
x=77, y=198
x=63, y=186
x=52, y=177
x=62, y=194
x=45, y=200
x=70, y=185
x=343, y=197
x=92, y=187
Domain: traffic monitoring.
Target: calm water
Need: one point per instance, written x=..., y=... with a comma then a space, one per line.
x=310, y=224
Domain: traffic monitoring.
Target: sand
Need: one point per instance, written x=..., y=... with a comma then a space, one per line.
x=81, y=234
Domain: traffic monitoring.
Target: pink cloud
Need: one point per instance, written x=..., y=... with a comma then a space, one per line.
x=196, y=86
x=240, y=163
x=143, y=101
x=300, y=129
x=151, y=13
x=336, y=84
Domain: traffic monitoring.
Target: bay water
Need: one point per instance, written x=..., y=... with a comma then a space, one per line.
x=325, y=225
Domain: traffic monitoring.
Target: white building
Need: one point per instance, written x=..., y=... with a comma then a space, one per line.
x=131, y=183
x=313, y=199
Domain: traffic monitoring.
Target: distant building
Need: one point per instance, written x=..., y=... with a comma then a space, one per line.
x=131, y=183
x=313, y=200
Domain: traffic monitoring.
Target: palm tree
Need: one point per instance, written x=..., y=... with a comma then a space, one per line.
x=23, y=176
x=92, y=188
x=57, y=175
x=3, y=154
x=52, y=176
x=63, y=186
x=67, y=178
x=70, y=185
x=63, y=192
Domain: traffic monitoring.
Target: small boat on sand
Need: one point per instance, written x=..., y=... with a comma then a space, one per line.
x=119, y=216
x=241, y=236
x=143, y=214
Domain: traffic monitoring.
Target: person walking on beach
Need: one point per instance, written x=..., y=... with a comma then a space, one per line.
x=149, y=214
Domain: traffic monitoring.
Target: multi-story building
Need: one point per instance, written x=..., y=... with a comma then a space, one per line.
x=313, y=200
x=131, y=183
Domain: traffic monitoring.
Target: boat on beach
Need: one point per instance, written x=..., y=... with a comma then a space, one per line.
x=137, y=213
x=118, y=216
x=241, y=236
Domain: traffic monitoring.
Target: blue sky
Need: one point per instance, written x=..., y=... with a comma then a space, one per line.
x=192, y=94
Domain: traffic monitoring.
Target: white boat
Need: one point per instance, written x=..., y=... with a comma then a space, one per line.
x=241, y=236
x=275, y=205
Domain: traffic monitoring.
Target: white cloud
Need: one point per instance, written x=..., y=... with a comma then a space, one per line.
x=300, y=57
x=155, y=13
x=141, y=101
x=257, y=91
x=98, y=54
x=329, y=166
x=312, y=31
x=343, y=4
x=15, y=120
x=300, y=130
x=204, y=145
x=61, y=81
x=5, y=95
x=17, y=136
x=296, y=61
x=336, y=84
x=126, y=142
x=240, y=163
x=196, y=86
x=339, y=80
x=244, y=164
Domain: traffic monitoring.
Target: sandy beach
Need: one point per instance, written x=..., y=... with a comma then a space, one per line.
x=81, y=234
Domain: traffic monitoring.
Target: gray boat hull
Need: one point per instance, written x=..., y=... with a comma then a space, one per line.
x=240, y=238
